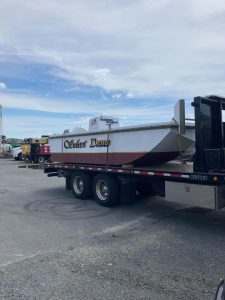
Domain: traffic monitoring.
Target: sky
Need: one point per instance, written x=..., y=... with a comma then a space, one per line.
x=63, y=62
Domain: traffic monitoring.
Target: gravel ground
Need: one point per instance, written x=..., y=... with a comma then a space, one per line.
x=56, y=247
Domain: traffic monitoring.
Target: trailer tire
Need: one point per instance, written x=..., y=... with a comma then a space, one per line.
x=106, y=190
x=81, y=185
x=40, y=159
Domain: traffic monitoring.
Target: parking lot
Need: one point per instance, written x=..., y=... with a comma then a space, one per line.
x=54, y=246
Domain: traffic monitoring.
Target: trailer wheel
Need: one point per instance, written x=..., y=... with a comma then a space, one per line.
x=40, y=159
x=106, y=190
x=81, y=185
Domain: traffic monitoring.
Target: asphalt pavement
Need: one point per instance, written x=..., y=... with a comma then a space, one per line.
x=53, y=246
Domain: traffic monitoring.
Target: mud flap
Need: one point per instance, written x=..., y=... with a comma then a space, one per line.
x=128, y=190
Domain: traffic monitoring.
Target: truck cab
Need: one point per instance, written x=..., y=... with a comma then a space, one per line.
x=36, y=150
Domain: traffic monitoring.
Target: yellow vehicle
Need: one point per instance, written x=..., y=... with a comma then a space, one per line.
x=26, y=147
x=26, y=150
x=42, y=141
x=36, y=150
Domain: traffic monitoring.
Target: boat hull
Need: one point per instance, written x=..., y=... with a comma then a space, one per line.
x=143, y=146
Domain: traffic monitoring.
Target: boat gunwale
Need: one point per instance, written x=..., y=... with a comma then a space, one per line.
x=123, y=129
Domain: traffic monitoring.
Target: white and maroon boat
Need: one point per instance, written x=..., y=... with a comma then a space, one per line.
x=107, y=143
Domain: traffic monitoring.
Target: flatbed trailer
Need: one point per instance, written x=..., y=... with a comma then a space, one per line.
x=199, y=183
x=174, y=181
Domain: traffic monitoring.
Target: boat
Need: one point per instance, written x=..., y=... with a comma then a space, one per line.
x=106, y=143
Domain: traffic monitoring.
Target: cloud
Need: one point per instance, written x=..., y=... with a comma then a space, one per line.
x=59, y=114
x=86, y=108
x=3, y=85
x=26, y=126
x=164, y=47
x=130, y=95
x=117, y=96
x=136, y=51
x=207, y=8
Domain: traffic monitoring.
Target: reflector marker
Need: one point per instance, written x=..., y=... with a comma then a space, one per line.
x=185, y=176
x=151, y=173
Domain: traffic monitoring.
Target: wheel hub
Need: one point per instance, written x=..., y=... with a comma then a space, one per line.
x=78, y=185
x=102, y=190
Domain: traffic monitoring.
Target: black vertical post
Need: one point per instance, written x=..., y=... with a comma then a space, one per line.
x=209, y=133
